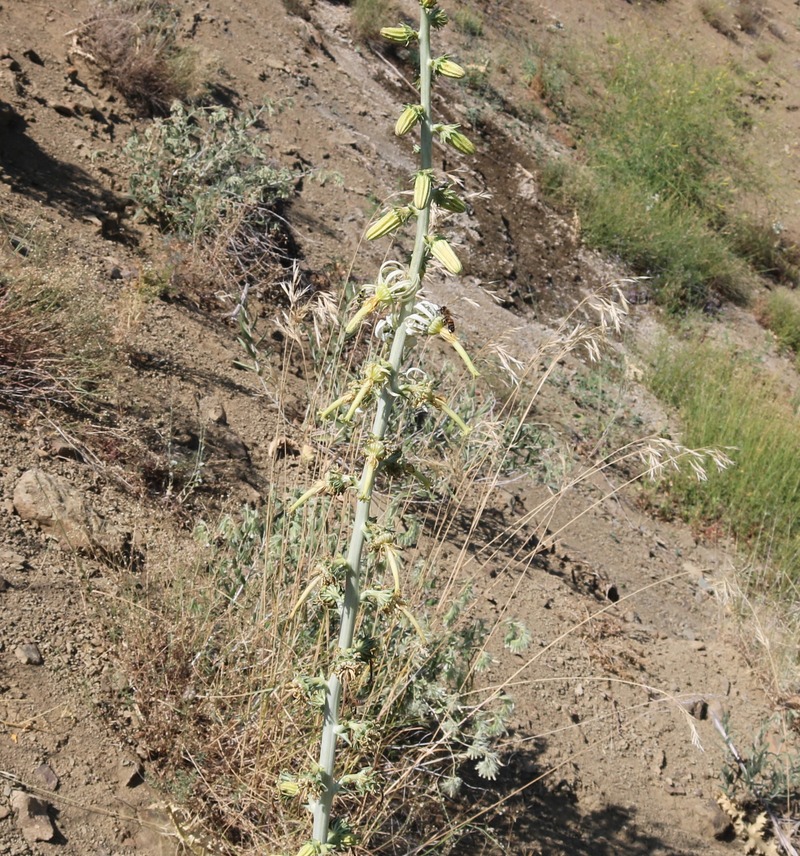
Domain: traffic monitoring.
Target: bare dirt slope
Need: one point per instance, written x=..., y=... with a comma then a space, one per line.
x=618, y=728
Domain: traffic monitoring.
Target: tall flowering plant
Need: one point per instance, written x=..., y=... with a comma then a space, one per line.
x=402, y=317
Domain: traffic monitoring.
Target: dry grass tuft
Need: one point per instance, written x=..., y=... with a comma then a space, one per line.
x=750, y=16
x=717, y=15
x=779, y=311
x=134, y=45
x=368, y=18
x=47, y=358
x=27, y=371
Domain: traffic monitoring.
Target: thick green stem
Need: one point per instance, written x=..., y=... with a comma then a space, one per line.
x=322, y=806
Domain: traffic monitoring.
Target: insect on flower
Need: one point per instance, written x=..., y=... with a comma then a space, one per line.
x=448, y=318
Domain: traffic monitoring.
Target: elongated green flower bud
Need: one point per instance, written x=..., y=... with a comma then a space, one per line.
x=447, y=68
x=402, y=35
x=427, y=4
x=408, y=119
x=288, y=786
x=443, y=252
x=422, y=189
x=387, y=224
x=450, y=134
x=461, y=143
x=447, y=199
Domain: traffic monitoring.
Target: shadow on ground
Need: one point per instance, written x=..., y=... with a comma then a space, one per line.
x=31, y=171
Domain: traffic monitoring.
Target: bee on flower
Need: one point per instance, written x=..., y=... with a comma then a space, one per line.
x=428, y=319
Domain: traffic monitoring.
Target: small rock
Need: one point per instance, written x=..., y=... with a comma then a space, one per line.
x=28, y=654
x=61, y=511
x=33, y=818
x=5, y=811
x=282, y=447
x=698, y=708
x=85, y=106
x=13, y=561
x=20, y=245
x=112, y=267
x=61, y=448
x=129, y=772
x=12, y=65
x=5, y=585
x=716, y=712
x=213, y=410
x=46, y=774
x=9, y=116
x=692, y=570
x=712, y=820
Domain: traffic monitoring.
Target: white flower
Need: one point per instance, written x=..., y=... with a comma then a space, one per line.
x=425, y=313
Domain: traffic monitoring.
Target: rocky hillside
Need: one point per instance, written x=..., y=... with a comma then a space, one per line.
x=127, y=419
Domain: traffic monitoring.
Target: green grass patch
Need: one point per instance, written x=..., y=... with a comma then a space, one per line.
x=469, y=23
x=780, y=313
x=368, y=18
x=727, y=400
x=663, y=161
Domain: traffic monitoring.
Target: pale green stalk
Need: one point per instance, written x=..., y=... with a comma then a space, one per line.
x=322, y=806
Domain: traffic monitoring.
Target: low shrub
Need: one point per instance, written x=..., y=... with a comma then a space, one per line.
x=226, y=710
x=469, y=23
x=763, y=246
x=198, y=167
x=750, y=16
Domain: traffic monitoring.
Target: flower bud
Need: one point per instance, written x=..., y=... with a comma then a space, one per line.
x=443, y=252
x=422, y=189
x=447, y=68
x=447, y=199
x=288, y=788
x=402, y=35
x=461, y=143
x=450, y=134
x=387, y=224
x=408, y=118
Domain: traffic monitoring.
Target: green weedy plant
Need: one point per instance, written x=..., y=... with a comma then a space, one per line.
x=198, y=167
x=395, y=295
x=780, y=313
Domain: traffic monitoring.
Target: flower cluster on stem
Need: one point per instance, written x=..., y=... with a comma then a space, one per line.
x=402, y=317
